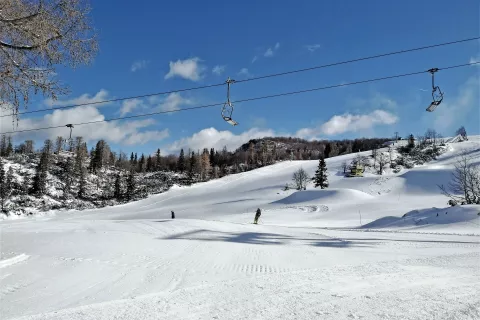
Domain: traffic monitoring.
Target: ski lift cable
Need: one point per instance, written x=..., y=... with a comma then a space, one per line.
x=248, y=99
x=245, y=80
x=358, y=59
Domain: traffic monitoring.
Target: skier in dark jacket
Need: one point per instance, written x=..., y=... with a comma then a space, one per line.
x=257, y=216
x=173, y=215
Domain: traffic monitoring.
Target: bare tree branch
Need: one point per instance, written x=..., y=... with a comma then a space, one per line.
x=34, y=37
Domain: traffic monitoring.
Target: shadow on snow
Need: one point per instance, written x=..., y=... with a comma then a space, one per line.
x=264, y=239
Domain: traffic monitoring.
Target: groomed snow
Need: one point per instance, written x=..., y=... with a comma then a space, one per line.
x=377, y=247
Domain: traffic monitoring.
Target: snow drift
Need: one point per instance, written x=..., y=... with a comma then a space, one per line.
x=431, y=218
x=325, y=196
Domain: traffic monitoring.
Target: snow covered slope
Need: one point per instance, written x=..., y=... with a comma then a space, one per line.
x=365, y=248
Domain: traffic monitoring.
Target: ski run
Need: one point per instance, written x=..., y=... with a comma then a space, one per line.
x=374, y=247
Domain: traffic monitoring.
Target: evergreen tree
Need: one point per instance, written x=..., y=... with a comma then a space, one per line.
x=461, y=131
x=118, y=187
x=150, y=165
x=3, y=187
x=91, y=167
x=131, y=159
x=181, y=162
x=68, y=172
x=213, y=161
x=131, y=185
x=40, y=180
x=135, y=159
x=9, y=150
x=193, y=165
x=80, y=155
x=3, y=146
x=99, y=156
x=411, y=141
x=320, y=179
x=82, y=184
x=158, y=161
x=141, y=164
x=39, y=186
x=328, y=149
x=27, y=181
x=251, y=156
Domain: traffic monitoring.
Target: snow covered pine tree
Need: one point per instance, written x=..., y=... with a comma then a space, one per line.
x=320, y=179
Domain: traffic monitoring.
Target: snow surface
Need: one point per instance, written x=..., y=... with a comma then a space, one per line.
x=365, y=248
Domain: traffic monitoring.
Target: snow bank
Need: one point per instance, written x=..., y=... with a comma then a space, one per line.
x=431, y=217
x=325, y=196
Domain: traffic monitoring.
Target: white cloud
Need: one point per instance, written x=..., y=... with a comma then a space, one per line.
x=212, y=138
x=381, y=101
x=244, y=72
x=347, y=122
x=138, y=65
x=141, y=137
x=121, y=132
x=189, y=69
x=270, y=51
x=218, y=70
x=129, y=105
x=83, y=100
x=455, y=109
x=258, y=122
x=312, y=47
x=254, y=59
x=173, y=102
x=475, y=60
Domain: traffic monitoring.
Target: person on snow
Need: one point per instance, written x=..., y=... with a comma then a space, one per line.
x=173, y=215
x=257, y=216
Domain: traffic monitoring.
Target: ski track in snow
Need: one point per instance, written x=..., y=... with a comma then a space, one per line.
x=11, y=261
x=309, y=258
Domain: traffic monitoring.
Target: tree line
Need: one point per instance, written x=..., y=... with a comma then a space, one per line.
x=117, y=174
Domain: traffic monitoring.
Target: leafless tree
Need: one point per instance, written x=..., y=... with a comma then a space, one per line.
x=374, y=155
x=421, y=140
x=464, y=187
x=344, y=166
x=29, y=146
x=431, y=136
x=382, y=161
x=205, y=165
x=390, y=154
x=58, y=144
x=36, y=35
x=300, y=178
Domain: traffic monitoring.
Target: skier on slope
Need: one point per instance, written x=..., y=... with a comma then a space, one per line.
x=257, y=216
x=173, y=215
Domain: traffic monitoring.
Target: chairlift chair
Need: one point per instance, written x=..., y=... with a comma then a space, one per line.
x=227, y=109
x=68, y=142
x=437, y=94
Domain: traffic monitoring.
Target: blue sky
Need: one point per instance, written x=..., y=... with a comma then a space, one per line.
x=154, y=46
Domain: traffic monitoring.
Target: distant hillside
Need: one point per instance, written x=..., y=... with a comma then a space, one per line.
x=64, y=175
x=310, y=150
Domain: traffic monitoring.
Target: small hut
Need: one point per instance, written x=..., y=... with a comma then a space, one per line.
x=356, y=170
